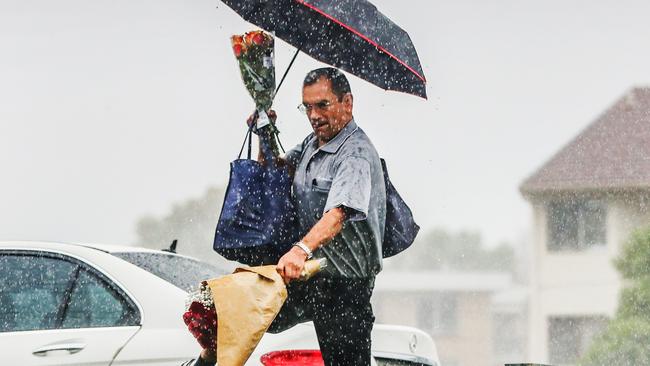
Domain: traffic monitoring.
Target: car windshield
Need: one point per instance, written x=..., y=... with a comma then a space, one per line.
x=182, y=272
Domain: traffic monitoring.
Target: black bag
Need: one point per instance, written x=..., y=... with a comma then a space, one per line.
x=400, y=230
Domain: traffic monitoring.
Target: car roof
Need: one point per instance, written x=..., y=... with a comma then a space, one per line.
x=108, y=248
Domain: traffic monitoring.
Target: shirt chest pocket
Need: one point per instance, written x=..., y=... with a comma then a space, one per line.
x=318, y=194
x=321, y=184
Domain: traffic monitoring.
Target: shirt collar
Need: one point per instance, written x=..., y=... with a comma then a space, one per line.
x=333, y=145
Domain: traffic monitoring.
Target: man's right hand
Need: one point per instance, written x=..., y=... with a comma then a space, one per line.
x=209, y=355
x=291, y=264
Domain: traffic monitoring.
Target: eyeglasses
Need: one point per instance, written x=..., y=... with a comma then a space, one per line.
x=323, y=105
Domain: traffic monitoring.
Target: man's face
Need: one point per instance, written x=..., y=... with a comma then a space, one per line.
x=326, y=113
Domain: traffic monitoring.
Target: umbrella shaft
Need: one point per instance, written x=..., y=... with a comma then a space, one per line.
x=286, y=72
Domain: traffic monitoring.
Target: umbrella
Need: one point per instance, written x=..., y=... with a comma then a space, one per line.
x=348, y=34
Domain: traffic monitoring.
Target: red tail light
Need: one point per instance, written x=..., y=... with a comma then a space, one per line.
x=293, y=358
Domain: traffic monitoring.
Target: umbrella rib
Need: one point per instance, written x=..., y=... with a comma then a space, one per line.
x=312, y=7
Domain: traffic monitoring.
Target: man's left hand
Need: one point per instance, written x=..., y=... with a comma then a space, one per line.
x=291, y=264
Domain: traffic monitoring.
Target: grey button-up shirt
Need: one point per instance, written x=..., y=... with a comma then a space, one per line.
x=345, y=172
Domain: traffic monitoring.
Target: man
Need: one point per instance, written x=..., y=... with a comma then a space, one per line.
x=340, y=196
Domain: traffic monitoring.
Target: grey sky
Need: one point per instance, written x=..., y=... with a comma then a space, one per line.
x=110, y=110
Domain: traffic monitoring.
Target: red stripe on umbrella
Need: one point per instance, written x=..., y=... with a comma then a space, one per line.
x=382, y=49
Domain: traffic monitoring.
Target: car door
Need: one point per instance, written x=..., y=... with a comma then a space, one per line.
x=56, y=310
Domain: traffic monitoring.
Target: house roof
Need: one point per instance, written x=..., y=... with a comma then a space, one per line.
x=442, y=281
x=613, y=153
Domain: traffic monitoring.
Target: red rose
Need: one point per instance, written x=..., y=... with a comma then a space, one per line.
x=237, y=49
x=202, y=323
x=248, y=38
x=258, y=38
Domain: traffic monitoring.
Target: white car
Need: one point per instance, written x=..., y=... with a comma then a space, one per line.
x=77, y=304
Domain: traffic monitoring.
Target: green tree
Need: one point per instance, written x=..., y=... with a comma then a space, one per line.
x=627, y=338
x=192, y=222
x=439, y=249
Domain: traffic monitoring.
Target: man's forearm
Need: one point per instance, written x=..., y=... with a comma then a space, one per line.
x=325, y=229
x=267, y=143
x=292, y=263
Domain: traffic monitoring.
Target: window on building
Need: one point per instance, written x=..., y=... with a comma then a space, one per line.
x=576, y=224
x=570, y=337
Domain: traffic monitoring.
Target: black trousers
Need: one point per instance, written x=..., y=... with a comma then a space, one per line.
x=342, y=315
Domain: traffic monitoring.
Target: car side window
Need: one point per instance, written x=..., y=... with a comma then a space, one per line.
x=93, y=303
x=32, y=291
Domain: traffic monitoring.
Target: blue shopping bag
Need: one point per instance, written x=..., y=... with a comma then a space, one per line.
x=258, y=222
x=400, y=230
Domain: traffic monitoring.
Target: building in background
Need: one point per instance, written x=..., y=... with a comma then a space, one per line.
x=586, y=201
x=475, y=318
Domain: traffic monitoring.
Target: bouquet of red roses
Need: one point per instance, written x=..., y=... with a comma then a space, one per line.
x=201, y=316
x=255, y=54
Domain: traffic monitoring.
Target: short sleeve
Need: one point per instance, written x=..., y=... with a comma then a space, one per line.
x=293, y=155
x=351, y=188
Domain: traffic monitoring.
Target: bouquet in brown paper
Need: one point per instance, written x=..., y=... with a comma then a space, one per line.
x=242, y=307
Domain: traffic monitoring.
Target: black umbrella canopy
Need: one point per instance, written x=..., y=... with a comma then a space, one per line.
x=348, y=34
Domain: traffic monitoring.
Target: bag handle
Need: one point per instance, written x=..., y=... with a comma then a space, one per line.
x=277, y=137
x=276, y=134
x=249, y=138
x=267, y=147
